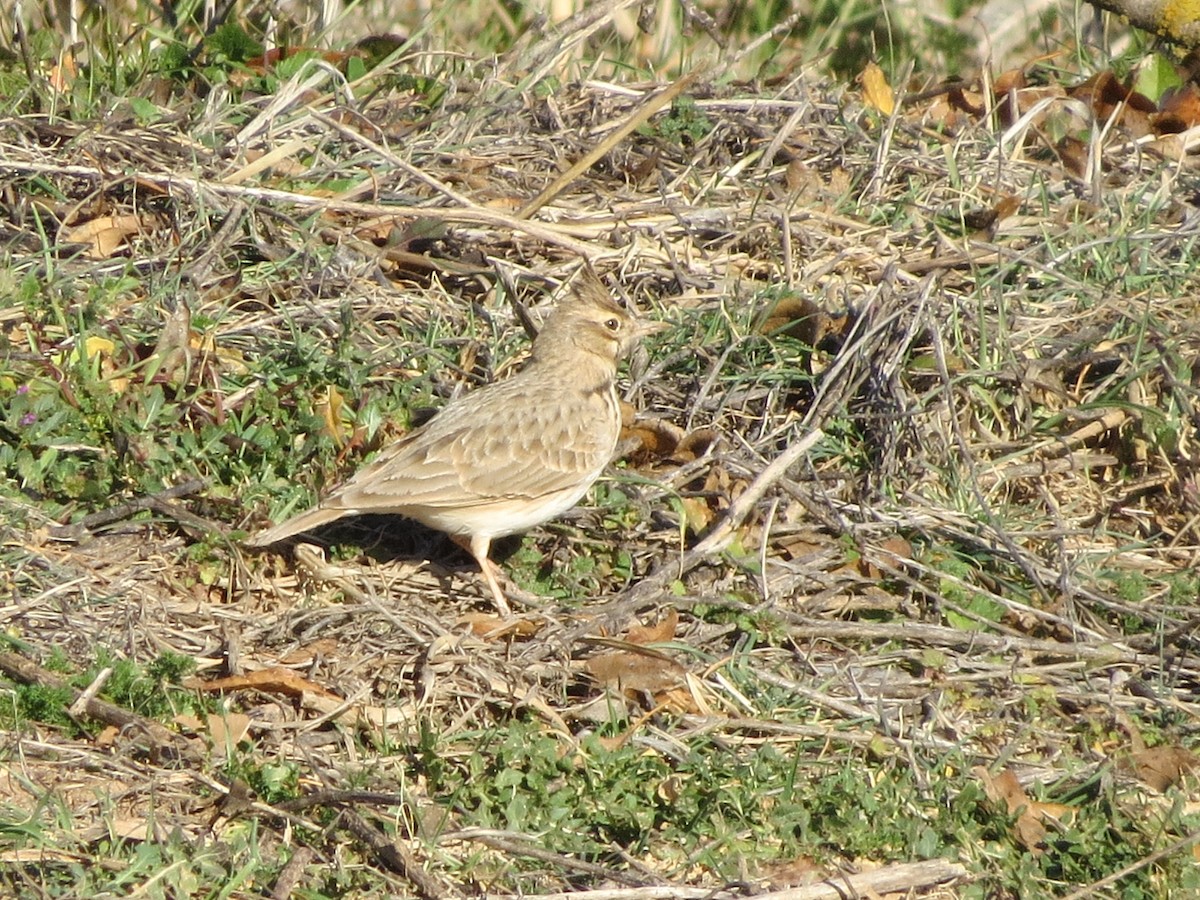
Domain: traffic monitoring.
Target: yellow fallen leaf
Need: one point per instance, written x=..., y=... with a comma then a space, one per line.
x=876, y=90
x=697, y=515
x=95, y=345
x=331, y=411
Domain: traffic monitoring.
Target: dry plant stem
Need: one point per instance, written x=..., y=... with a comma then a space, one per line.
x=802, y=627
x=161, y=741
x=705, y=21
x=848, y=370
x=778, y=31
x=129, y=507
x=351, y=135
x=959, y=530
x=336, y=797
x=543, y=56
x=79, y=707
x=290, y=877
x=640, y=115
x=1090, y=891
x=198, y=186
x=31, y=68
x=197, y=270
x=841, y=707
x=289, y=94
x=718, y=539
x=1014, y=552
x=613, y=615
x=333, y=237
x=515, y=847
x=396, y=857
x=267, y=160
x=890, y=879
x=875, y=186
x=1079, y=462
x=198, y=524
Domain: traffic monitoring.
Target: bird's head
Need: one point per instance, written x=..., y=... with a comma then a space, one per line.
x=593, y=322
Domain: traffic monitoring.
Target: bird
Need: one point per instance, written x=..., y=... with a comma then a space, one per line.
x=508, y=456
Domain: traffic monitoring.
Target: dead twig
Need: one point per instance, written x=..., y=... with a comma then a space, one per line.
x=158, y=741
x=128, y=508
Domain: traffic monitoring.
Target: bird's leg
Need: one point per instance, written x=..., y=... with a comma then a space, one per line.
x=478, y=547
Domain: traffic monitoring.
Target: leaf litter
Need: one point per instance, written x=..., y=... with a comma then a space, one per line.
x=1008, y=434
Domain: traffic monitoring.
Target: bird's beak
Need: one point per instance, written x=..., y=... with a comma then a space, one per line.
x=649, y=326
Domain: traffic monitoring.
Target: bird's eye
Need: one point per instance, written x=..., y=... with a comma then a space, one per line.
x=612, y=324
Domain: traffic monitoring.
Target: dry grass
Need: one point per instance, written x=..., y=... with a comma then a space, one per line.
x=987, y=559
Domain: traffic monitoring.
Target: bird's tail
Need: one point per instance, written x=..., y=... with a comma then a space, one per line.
x=306, y=521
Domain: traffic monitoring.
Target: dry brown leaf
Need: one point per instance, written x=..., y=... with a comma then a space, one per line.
x=228, y=730
x=1011, y=80
x=1178, y=110
x=130, y=828
x=797, y=546
x=107, y=738
x=493, y=627
x=304, y=656
x=383, y=230
x=894, y=552
x=63, y=73
x=792, y=873
x=876, y=90
x=1073, y=153
x=803, y=181
x=695, y=444
x=677, y=701
x=944, y=114
x=670, y=788
x=898, y=548
x=223, y=731
x=1163, y=767
x=639, y=169
x=987, y=219
x=276, y=55
x=961, y=99
x=626, y=670
x=274, y=680
x=1108, y=97
x=839, y=182
x=1004, y=789
x=796, y=316
x=504, y=204
x=1029, y=828
x=1007, y=96
x=1007, y=205
x=105, y=234
x=172, y=355
x=981, y=220
x=660, y=631
x=646, y=439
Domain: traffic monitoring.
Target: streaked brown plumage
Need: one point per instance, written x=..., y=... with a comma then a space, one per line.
x=508, y=456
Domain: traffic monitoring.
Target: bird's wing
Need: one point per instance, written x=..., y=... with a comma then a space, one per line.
x=468, y=455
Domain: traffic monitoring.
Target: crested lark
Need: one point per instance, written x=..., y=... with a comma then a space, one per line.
x=508, y=456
